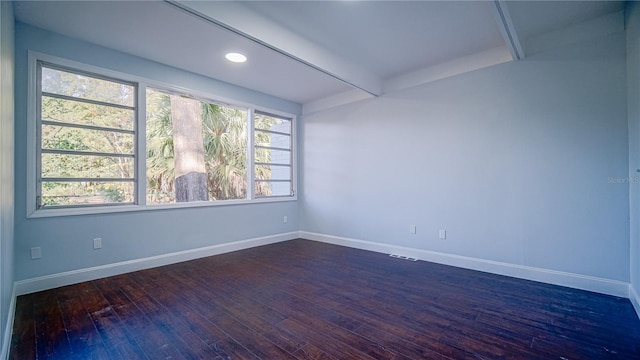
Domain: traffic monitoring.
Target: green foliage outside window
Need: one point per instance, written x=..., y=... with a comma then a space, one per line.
x=88, y=146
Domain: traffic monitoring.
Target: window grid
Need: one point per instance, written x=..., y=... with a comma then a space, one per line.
x=46, y=150
x=274, y=155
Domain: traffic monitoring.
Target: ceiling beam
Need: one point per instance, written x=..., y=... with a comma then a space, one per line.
x=237, y=18
x=508, y=30
x=449, y=68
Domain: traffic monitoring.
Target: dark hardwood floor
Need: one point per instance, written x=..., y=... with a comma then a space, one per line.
x=306, y=300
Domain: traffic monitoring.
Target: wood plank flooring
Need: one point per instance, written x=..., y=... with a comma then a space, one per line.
x=306, y=300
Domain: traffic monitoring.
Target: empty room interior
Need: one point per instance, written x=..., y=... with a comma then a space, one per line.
x=320, y=179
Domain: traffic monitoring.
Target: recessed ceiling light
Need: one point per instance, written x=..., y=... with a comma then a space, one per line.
x=236, y=57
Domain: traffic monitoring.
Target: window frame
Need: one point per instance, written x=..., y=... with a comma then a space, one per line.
x=292, y=189
x=34, y=127
x=40, y=150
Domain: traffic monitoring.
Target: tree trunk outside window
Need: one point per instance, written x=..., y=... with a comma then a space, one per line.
x=188, y=150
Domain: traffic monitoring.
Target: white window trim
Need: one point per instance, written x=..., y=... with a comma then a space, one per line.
x=31, y=182
x=292, y=150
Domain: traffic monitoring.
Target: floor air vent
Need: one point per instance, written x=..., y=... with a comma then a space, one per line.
x=403, y=257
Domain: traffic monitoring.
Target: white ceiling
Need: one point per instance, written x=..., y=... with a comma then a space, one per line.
x=536, y=18
x=306, y=51
x=160, y=32
x=389, y=38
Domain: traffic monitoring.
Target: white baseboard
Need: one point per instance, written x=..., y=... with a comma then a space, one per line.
x=635, y=300
x=583, y=282
x=8, y=331
x=577, y=281
x=28, y=286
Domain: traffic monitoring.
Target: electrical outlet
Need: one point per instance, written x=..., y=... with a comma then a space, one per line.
x=412, y=229
x=285, y=219
x=97, y=243
x=442, y=234
x=36, y=253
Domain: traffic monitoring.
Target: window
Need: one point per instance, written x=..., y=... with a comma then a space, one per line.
x=87, y=139
x=273, y=155
x=196, y=150
x=102, y=139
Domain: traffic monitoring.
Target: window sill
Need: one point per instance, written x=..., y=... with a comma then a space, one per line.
x=53, y=212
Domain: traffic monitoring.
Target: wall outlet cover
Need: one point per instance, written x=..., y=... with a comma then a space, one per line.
x=36, y=253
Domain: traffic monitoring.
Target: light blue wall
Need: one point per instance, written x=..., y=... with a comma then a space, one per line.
x=6, y=163
x=633, y=109
x=66, y=242
x=515, y=161
x=524, y=163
